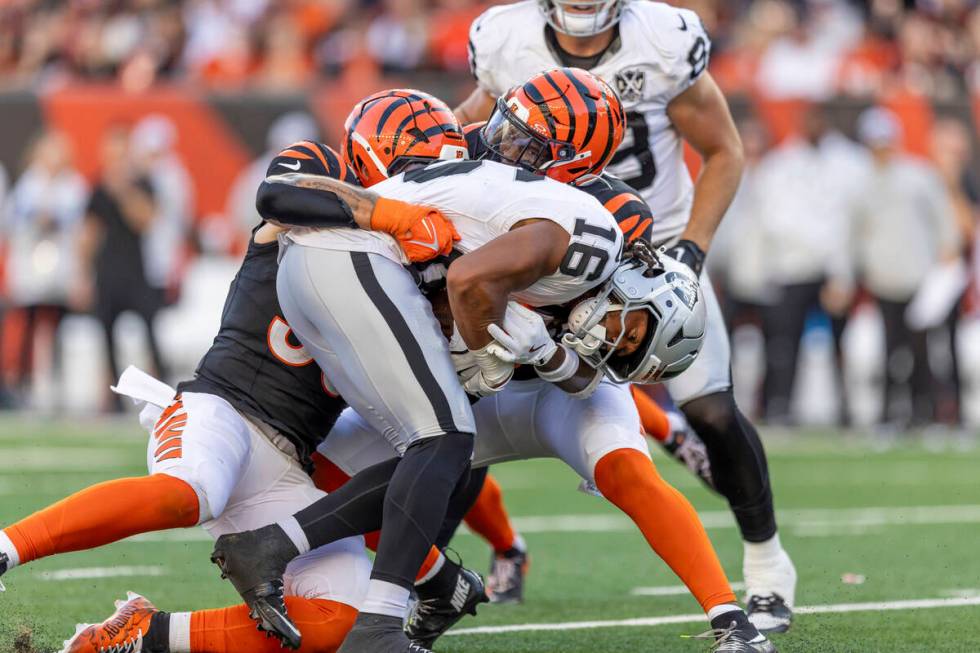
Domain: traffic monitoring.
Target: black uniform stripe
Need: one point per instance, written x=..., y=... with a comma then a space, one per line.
x=568, y=105
x=406, y=339
x=611, y=129
x=590, y=103
x=535, y=95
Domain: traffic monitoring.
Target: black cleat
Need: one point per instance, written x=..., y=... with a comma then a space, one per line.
x=770, y=614
x=254, y=562
x=505, y=584
x=375, y=633
x=433, y=616
x=734, y=633
x=4, y=565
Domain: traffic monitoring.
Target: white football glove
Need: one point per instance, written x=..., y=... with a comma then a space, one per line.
x=479, y=372
x=524, y=338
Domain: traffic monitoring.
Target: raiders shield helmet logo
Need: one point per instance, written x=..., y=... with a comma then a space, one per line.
x=629, y=85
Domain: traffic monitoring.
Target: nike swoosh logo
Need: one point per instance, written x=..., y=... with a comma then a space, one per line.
x=534, y=349
x=295, y=165
x=683, y=26
x=432, y=243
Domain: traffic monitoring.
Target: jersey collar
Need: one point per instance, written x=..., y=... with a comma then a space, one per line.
x=574, y=61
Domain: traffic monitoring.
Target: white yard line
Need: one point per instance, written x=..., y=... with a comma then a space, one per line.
x=672, y=590
x=69, y=459
x=86, y=573
x=804, y=522
x=917, y=604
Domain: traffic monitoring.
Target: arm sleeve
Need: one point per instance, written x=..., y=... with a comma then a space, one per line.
x=305, y=207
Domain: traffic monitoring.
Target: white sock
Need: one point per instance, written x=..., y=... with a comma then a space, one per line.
x=716, y=611
x=519, y=543
x=763, y=553
x=180, y=632
x=386, y=598
x=295, y=533
x=436, y=568
x=6, y=546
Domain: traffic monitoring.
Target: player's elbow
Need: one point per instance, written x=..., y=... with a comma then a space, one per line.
x=267, y=200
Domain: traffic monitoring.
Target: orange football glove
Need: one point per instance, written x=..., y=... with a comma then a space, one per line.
x=423, y=232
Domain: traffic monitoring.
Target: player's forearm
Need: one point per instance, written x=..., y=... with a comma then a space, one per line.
x=303, y=200
x=475, y=108
x=713, y=194
x=580, y=380
x=477, y=301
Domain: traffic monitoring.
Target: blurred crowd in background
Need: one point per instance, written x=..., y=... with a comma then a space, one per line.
x=845, y=265
x=798, y=48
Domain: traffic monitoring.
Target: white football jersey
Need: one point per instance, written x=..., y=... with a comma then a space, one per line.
x=662, y=51
x=484, y=200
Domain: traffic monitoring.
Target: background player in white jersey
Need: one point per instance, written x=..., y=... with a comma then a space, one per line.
x=360, y=315
x=656, y=56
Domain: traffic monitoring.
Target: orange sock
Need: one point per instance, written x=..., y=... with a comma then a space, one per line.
x=488, y=517
x=324, y=624
x=629, y=480
x=652, y=416
x=106, y=513
x=328, y=477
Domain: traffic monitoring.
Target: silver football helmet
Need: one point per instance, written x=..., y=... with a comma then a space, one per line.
x=581, y=23
x=666, y=289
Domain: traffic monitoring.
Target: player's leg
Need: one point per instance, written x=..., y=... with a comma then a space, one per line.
x=447, y=591
x=361, y=316
x=739, y=470
x=187, y=484
x=323, y=587
x=600, y=438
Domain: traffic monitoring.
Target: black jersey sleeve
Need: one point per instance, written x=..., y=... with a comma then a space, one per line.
x=305, y=207
x=631, y=212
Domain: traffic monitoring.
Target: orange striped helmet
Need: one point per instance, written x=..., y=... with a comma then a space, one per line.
x=563, y=123
x=389, y=131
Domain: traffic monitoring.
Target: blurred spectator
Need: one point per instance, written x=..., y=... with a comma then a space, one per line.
x=904, y=229
x=153, y=144
x=804, y=189
x=952, y=153
x=119, y=216
x=286, y=130
x=397, y=38
x=43, y=219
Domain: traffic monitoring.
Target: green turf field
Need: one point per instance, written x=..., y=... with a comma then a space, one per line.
x=907, y=520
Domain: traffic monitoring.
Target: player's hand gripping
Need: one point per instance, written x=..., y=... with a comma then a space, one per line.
x=423, y=232
x=524, y=338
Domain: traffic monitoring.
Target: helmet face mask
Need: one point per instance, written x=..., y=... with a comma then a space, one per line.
x=564, y=15
x=564, y=123
x=675, y=324
x=509, y=140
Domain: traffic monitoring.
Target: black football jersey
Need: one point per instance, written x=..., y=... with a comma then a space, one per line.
x=256, y=363
x=630, y=210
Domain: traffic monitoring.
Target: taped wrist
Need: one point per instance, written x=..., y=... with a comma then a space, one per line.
x=590, y=389
x=564, y=371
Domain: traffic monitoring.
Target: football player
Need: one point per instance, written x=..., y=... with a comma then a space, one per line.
x=350, y=302
x=231, y=449
x=596, y=431
x=656, y=56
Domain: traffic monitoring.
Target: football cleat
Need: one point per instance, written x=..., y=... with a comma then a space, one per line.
x=770, y=614
x=123, y=632
x=4, y=565
x=505, y=583
x=376, y=633
x=770, y=591
x=684, y=445
x=738, y=636
x=254, y=562
x=431, y=617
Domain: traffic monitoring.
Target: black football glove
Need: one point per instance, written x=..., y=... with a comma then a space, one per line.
x=688, y=253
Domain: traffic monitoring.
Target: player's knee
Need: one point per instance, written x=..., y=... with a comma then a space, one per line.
x=713, y=416
x=176, y=500
x=212, y=489
x=450, y=453
x=627, y=472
